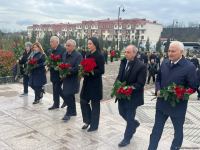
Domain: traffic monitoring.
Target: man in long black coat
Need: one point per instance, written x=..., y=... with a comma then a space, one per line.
x=71, y=83
x=134, y=72
x=56, y=49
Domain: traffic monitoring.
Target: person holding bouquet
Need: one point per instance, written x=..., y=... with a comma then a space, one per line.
x=129, y=88
x=179, y=74
x=36, y=70
x=71, y=82
x=22, y=62
x=92, y=89
x=54, y=57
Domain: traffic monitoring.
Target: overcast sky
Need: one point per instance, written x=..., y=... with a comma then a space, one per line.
x=18, y=14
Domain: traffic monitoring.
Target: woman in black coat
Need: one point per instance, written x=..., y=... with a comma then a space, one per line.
x=37, y=77
x=92, y=89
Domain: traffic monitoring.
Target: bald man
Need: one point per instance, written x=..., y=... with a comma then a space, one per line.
x=133, y=72
x=176, y=69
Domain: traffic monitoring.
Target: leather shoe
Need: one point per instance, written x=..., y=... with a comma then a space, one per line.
x=63, y=105
x=85, y=126
x=92, y=129
x=66, y=118
x=123, y=143
x=137, y=124
x=36, y=102
x=53, y=107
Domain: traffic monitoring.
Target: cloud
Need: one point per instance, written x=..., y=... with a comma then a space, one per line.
x=19, y=14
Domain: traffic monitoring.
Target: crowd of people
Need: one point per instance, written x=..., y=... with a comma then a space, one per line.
x=133, y=71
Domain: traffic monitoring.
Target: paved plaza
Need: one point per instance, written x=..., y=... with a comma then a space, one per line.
x=24, y=126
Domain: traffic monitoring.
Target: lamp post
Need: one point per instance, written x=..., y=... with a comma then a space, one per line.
x=175, y=22
x=119, y=10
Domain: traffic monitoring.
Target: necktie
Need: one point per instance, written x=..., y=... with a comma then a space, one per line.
x=172, y=64
x=127, y=67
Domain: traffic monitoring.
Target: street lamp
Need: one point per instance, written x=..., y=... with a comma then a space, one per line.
x=175, y=22
x=119, y=10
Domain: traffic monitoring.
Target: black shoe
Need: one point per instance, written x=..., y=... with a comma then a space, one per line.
x=123, y=143
x=66, y=118
x=53, y=107
x=91, y=129
x=24, y=94
x=85, y=126
x=71, y=114
x=63, y=105
x=36, y=102
x=137, y=124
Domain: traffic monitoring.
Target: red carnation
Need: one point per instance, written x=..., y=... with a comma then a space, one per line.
x=64, y=69
x=32, y=61
x=190, y=91
x=87, y=66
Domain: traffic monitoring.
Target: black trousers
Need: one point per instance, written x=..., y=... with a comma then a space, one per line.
x=57, y=92
x=71, y=104
x=198, y=92
x=160, y=119
x=91, y=112
x=25, y=83
x=128, y=113
x=38, y=92
x=149, y=78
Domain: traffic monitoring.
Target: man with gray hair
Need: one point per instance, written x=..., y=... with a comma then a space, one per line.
x=133, y=72
x=71, y=83
x=176, y=69
x=23, y=62
x=56, y=49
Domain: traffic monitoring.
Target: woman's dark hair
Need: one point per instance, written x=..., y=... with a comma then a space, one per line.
x=95, y=42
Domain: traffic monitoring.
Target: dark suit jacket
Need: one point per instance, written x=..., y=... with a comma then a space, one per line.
x=135, y=76
x=38, y=74
x=23, y=61
x=54, y=75
x=92, y=85
x=183, y=73
x=71, y=83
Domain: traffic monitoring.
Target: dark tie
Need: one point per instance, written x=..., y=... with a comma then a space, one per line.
x=127, y=67
x=172, y=64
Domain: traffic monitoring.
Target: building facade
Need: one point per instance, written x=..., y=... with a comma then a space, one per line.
x=128, y=30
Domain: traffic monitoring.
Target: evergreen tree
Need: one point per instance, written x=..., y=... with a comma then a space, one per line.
x=167, y=45
x=121, y=44
x=106, y=43
x=113, y=43
x=46, y=41
x=158, y=46
x=101, y=43
x=33, y=37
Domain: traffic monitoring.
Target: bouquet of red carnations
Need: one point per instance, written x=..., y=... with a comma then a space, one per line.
x=87, y=66
x=121, y=90
x=64, y=70
x=175, y=94
x=53, y=61
x=31, y=64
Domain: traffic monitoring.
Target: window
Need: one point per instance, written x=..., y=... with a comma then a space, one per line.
x=142, y=31
x=142, y=37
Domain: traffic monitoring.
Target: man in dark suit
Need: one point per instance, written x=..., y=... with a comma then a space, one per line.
x=71, y=83
x=134, y=72
x=177, y=69
x=56, y=49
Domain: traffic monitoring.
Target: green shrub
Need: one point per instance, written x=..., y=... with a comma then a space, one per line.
x=7, y=62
